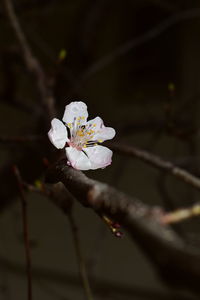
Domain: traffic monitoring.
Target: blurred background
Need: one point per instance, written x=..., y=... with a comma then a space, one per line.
x=137, y=65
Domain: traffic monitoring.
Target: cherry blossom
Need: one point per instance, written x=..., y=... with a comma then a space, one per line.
x=81, y=138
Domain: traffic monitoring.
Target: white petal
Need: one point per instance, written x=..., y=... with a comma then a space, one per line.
x=101, y=132
x=96, y=123
x=99, y=156
x=106, y=133
x=58, y=134
x=76, y=109
x=78, y=159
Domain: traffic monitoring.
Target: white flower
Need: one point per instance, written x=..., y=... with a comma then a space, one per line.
x=81, y=139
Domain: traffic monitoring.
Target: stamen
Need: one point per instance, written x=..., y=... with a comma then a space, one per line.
x=91, y=142
x=82, y=135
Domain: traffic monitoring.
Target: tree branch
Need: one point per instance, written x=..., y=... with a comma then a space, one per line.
x=103, y=288
x=31, y=62
x=135, y=42
x=25, y=233
x=177, y=262
x=157, y=162
x=80, y=259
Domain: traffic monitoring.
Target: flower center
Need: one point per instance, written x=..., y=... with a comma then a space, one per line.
x=82, y=134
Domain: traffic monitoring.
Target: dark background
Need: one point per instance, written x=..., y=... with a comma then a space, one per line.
x=137, y=65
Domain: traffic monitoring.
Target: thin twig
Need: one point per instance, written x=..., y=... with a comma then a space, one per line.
x=81, y=262
x=181, y=214
x=154, y=32
x=58, y=194
x=103, y=287
x=32, y=64
x=135, y=42
x=25, y=232
x=157, y=162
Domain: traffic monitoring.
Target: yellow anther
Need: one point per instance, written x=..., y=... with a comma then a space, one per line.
x=83, y=118
x=84, y=146
x=100, y=141
x=80, y=133
x=94, y=125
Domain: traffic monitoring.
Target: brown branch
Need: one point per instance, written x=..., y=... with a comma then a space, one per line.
x=177, y=262
x=31, y=62
x=151, y=34
x=181, y=214
x=60, y=196
x=63, y=199
x=135, y=42
x=25, y=231
x=79, y=255
x=102, y=287
x=157, y=162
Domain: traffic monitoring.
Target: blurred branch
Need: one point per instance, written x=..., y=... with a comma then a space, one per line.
x=157, y=162
x=81, y=261
x=8, y=59
x=31, y=62
x=152, y=159
x=181, y=214
x=62, y=198
x=25, y=231
x=102, y=286
x=167, y=199
x=177, y=262
x=152, y=230
x=136, y=42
